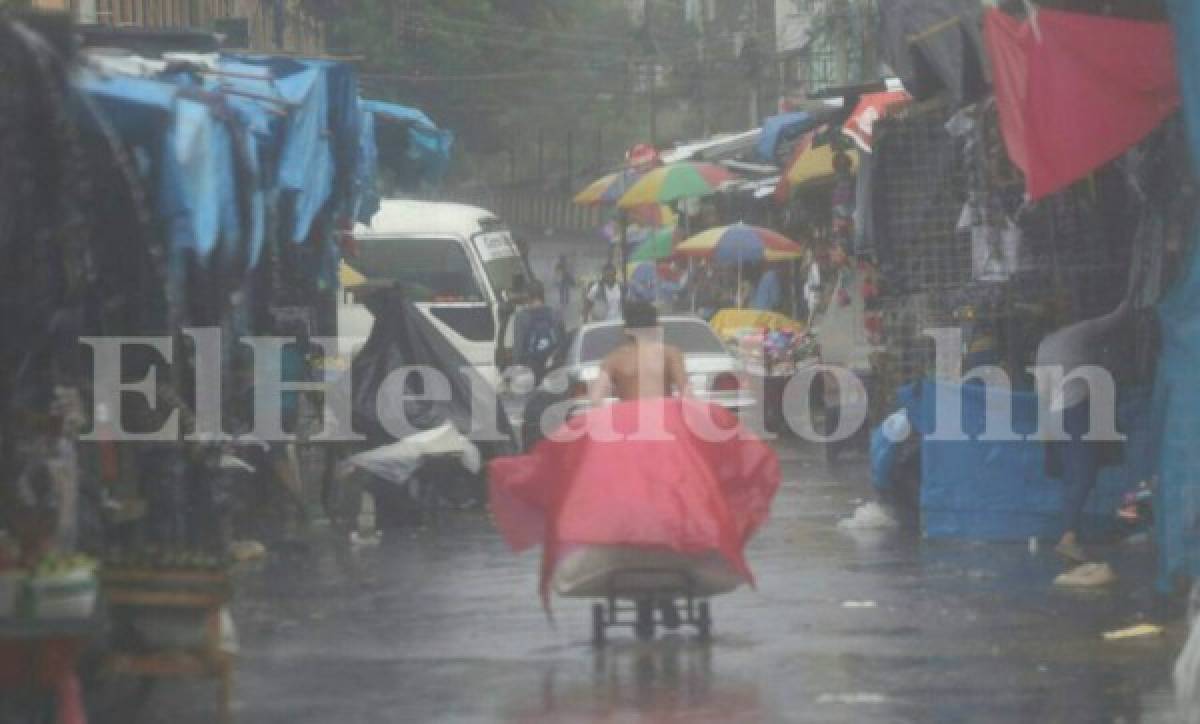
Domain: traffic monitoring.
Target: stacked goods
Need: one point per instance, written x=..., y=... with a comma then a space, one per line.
x=769, y=352
x=60, y=586
x=165, y=560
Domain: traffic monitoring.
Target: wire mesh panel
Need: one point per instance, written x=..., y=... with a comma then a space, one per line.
x=936, y=199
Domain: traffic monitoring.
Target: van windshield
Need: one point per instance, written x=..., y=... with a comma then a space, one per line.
x=429, y=270
x=503, y=273
x=502, y=260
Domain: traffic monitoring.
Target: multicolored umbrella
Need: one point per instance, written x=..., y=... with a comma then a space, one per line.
x=653, y=215
x=607, y=189
x=740, y=244
x=810, y=164
x=660, y=245
x=814, y=163
x=687, y=179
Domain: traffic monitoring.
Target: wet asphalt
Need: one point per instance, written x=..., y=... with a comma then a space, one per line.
x=445, y=625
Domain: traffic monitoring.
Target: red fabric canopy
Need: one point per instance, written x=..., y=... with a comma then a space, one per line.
x=860, y=126
x=1075, y=91
x=677, y=491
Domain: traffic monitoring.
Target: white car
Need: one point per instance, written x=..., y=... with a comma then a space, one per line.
x=714, y=374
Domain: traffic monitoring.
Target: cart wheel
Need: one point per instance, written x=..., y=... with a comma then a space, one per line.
x=703, y=621
x=598, y=625
x=644, y=627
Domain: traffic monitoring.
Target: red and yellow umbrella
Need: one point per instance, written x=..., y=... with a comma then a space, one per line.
x=673, y=182
x=810, y=164
x=656, y=215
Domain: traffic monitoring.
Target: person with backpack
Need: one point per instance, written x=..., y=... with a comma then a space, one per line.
x=604, y=297
x=537, y=332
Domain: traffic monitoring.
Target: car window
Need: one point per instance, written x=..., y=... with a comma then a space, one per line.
x=428, y=269
x=691, y=337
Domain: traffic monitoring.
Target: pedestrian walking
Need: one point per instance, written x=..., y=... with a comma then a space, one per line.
x=538, y=332
x=564, y=280
x=603, y=299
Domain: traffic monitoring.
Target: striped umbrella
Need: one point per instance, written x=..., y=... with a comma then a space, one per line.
x=607, y=189
x=658, y=246
x=740, y=244
x=676, y=181
x=653, y=215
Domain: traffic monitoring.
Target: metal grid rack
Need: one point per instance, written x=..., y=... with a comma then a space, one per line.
x=1070, y=268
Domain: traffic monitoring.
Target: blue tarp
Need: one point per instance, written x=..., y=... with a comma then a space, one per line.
x=366, y=190
x=428, y=146
x=1177, y=392
x=289, y=134
x=776, y=128
x=992, y=490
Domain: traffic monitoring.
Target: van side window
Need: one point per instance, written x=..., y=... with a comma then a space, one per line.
x=430, y=270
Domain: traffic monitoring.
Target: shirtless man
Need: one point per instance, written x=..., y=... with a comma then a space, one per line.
x=643, y=366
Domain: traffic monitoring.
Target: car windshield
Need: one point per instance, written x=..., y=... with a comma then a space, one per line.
x=691, y=337
x=428, y=269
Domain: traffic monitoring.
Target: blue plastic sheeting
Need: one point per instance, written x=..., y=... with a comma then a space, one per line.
x=1177, y=391
x=428, y=146
x=368, y=167
x=223, y=149
x=883, y=454
x=776, y=126
x=1000, y=491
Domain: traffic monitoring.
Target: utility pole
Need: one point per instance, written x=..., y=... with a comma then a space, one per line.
x=541, y=154
x=648, y=29
x=701, y=50
x=570, y=159
x=754, y=79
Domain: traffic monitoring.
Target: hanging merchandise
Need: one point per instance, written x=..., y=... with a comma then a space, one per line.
x=1077, y=90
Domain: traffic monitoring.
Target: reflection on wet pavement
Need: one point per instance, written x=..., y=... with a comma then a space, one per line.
x=846, y=626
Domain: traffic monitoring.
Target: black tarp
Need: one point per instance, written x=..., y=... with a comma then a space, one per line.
x=403, y=337
x=935, y=45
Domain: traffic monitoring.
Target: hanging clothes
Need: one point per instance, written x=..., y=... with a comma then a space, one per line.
x=1075, y=91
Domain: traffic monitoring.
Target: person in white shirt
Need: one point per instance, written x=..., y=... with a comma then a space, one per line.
x=603, y=301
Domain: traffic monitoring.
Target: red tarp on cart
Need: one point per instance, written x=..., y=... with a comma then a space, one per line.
x=608, y=477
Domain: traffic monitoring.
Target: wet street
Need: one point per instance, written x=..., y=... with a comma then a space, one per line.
x=844, y=627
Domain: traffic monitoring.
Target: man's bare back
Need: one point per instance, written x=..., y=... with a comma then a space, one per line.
x=641, y=369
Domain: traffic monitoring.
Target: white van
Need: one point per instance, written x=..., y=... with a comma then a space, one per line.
x=458, y=264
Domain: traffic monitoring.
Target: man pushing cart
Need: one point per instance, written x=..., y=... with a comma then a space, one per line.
x=645, y=503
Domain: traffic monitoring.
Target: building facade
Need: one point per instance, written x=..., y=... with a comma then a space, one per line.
x=260, y=25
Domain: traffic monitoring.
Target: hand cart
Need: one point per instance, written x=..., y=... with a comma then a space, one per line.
x=644, y=598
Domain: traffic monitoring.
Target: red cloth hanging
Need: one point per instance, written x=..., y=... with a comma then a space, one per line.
x=1074, y=91
x=622, y=486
